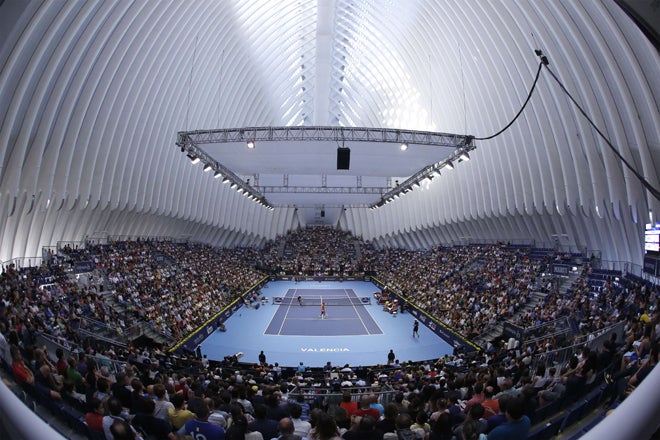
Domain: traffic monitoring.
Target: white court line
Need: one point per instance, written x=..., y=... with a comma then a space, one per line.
x=279, y=332
x=356, y=312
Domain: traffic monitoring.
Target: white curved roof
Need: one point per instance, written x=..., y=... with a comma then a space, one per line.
x=93, y=93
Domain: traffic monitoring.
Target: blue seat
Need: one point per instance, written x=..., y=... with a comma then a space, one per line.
x=74, y=420
x=547, y=431
x=592, y=400
x=575, y=413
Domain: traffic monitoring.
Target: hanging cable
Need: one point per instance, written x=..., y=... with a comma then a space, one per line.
x=544, y=62
x=529, y=96
x=654, y=191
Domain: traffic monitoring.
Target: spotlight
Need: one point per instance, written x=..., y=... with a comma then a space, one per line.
x=233, y=185
x=250, y=144
x=225, y=180
x=464, y=156
x=207, y=167
x=193, y=159
x=449, y=165
x=404, y=147
x=217, y=175
x=416, y=185
x=436, y=173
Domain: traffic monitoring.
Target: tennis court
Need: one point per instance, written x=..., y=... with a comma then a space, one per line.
x=345, y=314
x=356, y=334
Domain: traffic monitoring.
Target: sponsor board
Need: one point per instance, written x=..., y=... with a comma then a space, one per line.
x=513, y=331
x=652, y=265
x=323, y=350
x=83, y=266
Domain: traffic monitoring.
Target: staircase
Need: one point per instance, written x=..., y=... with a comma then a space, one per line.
x=563, y=283
x=358, y=252
x=142, y=328
x=496, y=330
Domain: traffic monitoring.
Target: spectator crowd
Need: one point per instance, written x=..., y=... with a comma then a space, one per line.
x=126, y=391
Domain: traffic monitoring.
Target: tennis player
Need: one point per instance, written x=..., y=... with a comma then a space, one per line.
x=300, y=300
x=322, y=310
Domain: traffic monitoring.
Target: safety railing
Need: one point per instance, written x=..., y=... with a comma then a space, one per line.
x=383, y=395
x=52, y=344
x=593, y=341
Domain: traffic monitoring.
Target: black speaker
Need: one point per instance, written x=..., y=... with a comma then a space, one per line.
x=343, y=158
x=322, y=213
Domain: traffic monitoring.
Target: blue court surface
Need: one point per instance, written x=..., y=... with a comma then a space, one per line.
x=344, y=314
x=355, y=333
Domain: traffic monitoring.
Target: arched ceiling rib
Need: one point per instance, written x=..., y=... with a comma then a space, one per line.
x=92, y=95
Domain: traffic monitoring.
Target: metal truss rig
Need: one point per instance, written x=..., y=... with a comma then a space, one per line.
x=189, y=142
x=349, y=134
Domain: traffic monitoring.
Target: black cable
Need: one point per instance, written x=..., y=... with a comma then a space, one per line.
x=654, y=191
x=529, y=96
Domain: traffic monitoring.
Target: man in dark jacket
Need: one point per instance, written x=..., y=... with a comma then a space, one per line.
x=267, y=427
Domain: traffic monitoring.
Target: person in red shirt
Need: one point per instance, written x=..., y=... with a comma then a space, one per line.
x=322, y=310
x=94, y=418
x=61, y=364
x=477, y=397
x=491, y=406
x=22, y=374
x=366, y=409
x=350, y=406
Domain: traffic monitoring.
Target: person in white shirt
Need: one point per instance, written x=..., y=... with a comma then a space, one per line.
x=301, y=427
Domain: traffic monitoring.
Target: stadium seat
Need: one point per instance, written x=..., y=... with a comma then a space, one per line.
x=546, y=431
x=574, y=414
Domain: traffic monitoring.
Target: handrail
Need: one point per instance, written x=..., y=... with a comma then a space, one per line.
x=19, y=262
x=102, y=338
x=561, y=355
x=384, y=396
x=52, y=345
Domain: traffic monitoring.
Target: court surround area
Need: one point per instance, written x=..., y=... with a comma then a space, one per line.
x=355, y=333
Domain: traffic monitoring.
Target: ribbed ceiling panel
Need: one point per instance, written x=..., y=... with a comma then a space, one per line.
x=92, y=95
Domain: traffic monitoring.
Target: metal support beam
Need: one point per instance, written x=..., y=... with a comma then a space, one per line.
x=190, y=141
x=336, y=134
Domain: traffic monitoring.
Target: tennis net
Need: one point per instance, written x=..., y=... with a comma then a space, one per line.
x=316, y=301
